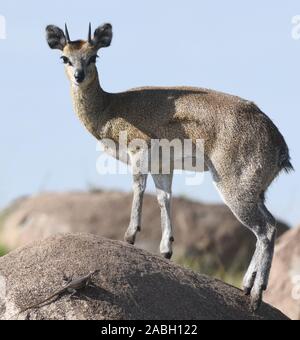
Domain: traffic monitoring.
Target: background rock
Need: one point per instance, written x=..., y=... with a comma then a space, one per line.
x=132, y=285
x=284, y=288
x=208, y=237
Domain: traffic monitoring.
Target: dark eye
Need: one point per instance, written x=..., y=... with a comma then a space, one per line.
x=93, y=59
x=66, y=60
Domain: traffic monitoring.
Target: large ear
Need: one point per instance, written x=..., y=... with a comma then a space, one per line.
x=103, y=36
x=55, y=37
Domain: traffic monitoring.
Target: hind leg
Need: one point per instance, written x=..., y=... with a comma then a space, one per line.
x=251, y=211
x=264, y=241
x=266, y=245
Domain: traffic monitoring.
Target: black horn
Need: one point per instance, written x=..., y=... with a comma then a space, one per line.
x=67, y=34
x=90, y=34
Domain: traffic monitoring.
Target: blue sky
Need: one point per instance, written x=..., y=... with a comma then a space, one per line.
x=240, y=47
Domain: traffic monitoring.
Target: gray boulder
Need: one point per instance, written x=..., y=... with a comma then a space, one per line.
x=284, y=287
x=132, y=285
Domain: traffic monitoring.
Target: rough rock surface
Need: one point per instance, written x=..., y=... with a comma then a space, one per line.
x=132, y=285
x=199, y=228
x=284, y=288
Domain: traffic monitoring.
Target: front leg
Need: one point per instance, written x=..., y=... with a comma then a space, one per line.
x=163, y=185
x=72, y=292
x=139, y=187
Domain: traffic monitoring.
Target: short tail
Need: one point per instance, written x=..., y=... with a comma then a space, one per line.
x=285, y=162
x=288, y=167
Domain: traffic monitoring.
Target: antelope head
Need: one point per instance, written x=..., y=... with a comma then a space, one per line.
x=79, y=56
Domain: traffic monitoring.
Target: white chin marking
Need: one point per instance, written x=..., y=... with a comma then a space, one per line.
x=76, y=84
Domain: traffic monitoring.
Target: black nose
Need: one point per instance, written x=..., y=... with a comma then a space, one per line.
x=79, y=76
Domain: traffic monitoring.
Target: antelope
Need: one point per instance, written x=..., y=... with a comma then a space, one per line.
x=244, y=150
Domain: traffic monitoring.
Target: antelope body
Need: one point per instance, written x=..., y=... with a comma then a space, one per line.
x=244, y=150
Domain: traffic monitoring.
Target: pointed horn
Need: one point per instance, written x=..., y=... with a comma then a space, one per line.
x=90, y=34
x=67, y=34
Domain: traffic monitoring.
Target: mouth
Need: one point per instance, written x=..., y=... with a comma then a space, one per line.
x=78, y=80
x=77, y=83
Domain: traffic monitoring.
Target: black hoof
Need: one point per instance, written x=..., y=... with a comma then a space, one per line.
x=256, y=302
x=247, y=291
x=167, y=256
x=130, y=240
x=255, y=306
